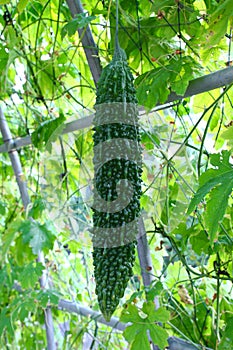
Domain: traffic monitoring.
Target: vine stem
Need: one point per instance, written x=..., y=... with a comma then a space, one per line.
x=218, y=305
x=18, y=171
x=117, y=45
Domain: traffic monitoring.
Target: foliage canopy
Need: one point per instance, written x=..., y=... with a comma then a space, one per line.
x=46, y=82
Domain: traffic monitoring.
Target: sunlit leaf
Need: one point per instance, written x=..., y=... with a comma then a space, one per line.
x=218, y=184
x=80, y=21
x=22, y=4
x=39, y=236
x=4, y=58
x=9, y=236
x=158, y=335
x=140, y=341
x=218, y=22
x=144, y=320
x=217, y=204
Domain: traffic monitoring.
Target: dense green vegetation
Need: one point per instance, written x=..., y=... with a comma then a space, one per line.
x=186, y=201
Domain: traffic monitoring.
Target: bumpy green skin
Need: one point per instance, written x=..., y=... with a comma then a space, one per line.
x=113, y=264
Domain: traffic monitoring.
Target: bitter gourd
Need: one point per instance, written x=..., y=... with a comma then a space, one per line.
x=117, y=156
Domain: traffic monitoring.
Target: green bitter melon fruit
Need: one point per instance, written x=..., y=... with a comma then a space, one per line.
x=114, y=232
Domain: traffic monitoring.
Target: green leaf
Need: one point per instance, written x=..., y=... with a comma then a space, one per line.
x=218, y=183
x=228, y=135
x=5, y=322
x=4, y=59
x=154, y=86
x=155, y=290
x=130, y=314
x=218, y=22
x=9, y=236
x=40, y=237
x=200, y=242
x=159, y=315
x=227, y=338
x=130, y=332
x=48, y=132
x=203, y=190
x=80, y=21
x=2, y=208
x=144, y=320
x=3, y=2
x=46, y=297
x=30, y=274
x=37, y=208
x=158, y=335
x=21, y=5
x=23, y=253
x=141, y=341
x=216, y=206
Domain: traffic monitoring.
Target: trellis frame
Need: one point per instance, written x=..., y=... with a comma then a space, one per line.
x=212, y=81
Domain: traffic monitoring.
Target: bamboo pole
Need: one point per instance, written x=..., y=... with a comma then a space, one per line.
x=22, y=185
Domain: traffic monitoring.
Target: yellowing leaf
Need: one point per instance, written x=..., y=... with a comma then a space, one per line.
x=184, y=295
x=219, y=21
x=228, y=134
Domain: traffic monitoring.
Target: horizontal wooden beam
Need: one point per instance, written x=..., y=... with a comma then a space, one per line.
x=197, y=86
x=206, y=83
x=72, y=307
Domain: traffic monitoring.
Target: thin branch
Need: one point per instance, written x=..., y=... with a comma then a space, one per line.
x=197, y=86
x=89, y=46
x=18, y=171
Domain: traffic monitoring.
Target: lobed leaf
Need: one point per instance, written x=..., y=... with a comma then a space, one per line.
x=80, y=21
x=30, y=274
x=39, y=236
